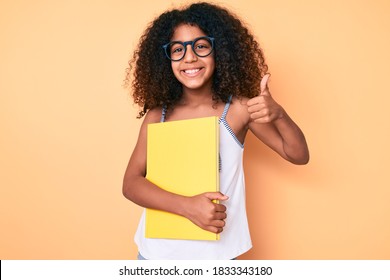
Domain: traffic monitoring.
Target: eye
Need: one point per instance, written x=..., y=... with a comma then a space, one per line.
x=176, y=48
x=202, y=44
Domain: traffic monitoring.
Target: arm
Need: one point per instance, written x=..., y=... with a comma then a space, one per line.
x=199, y=209
x=270, y=123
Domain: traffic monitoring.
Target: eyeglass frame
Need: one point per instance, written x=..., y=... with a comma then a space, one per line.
x=186, y=43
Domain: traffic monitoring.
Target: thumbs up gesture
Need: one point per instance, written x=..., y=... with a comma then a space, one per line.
x=263, y=108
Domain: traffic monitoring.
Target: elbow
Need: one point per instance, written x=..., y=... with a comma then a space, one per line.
x=126, y=190
x=131, y=186
x=301, y=159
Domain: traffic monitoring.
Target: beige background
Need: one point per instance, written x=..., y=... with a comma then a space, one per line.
x=68, y=128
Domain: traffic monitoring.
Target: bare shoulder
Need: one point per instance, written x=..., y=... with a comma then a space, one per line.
x=239, y=110
x=238, y=117
x=137, y=163
x=239, y=103
x=153, y=115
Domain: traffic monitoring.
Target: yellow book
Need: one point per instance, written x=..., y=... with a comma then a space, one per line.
x=183, y=158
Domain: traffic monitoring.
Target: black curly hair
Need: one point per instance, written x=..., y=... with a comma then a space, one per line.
x=239, y=60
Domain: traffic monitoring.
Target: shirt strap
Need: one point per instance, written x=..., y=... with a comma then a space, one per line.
x=227, y=105
x=163, y=113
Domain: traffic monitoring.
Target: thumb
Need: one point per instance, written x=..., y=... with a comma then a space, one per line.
x=216, y=196
x=264, y=85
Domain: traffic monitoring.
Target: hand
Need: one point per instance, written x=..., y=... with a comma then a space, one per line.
x=205, y=213
x=263, y=108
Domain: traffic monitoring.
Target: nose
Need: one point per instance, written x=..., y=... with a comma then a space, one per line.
x=190, y=56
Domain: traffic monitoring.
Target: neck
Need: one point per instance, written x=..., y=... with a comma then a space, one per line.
x=197, y=96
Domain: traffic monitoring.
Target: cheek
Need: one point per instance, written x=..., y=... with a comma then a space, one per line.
x=175, y=66
x=212, y=63
x=212, y=68
x=175, y=69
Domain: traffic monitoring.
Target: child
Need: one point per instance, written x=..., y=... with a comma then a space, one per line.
x=198, y=62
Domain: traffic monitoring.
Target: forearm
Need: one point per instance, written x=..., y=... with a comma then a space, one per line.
x=146, y=194
x=199, y=209
x=294, y=142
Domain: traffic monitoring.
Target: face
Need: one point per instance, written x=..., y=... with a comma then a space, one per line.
x=193, y=72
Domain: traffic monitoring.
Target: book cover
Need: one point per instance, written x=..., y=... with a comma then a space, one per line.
x=183, y=158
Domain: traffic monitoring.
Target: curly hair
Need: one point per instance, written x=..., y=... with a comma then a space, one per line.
x=239, y=60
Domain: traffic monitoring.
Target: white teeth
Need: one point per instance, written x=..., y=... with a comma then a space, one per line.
x=191, y=71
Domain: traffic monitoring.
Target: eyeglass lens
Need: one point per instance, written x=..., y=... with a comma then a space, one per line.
x=202, y=47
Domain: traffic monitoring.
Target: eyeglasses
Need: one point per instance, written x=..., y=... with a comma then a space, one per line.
x=202, y=47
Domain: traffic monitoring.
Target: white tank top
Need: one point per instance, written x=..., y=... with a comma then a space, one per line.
x=235, y=238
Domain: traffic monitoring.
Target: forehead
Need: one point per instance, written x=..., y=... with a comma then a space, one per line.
x=186, y=32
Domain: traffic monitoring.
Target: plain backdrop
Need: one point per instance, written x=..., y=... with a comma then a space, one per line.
x=68, y=128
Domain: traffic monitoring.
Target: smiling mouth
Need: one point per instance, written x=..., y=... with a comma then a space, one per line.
x=191, y=71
